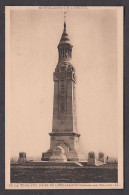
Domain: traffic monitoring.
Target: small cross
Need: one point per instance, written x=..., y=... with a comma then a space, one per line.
x=65, y=15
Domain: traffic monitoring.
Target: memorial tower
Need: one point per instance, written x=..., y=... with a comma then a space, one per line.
x=64, y=138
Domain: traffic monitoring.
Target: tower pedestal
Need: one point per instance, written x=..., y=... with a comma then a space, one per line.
x=69, y=143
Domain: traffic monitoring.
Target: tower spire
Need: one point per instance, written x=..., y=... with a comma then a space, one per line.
x=65, y=47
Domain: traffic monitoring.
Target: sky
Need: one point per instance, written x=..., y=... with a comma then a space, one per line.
x=34, y=36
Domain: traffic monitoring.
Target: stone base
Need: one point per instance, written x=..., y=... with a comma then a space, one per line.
x=76, y=156
x=72, y=156
x=58, y=158
x=46, y=155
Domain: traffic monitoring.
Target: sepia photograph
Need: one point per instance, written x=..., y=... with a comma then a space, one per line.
x=64, y=97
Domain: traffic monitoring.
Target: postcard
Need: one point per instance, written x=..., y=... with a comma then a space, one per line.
x=64, y=97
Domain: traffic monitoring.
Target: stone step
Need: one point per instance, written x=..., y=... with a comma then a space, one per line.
x=49, y=163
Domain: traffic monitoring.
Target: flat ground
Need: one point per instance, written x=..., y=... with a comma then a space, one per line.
x=85, y=174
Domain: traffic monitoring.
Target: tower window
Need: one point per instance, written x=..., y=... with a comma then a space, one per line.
x=62, y=69
x=62, y=89
x=65, y=53
x=61, y=53
x=62, y=105
x=68, y=52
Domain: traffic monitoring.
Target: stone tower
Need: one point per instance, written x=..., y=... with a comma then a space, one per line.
x=64, y=128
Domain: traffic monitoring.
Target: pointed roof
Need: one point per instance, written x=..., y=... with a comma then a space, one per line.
x=64, y=38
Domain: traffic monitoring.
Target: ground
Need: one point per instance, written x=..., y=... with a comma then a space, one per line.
x=58, y=174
